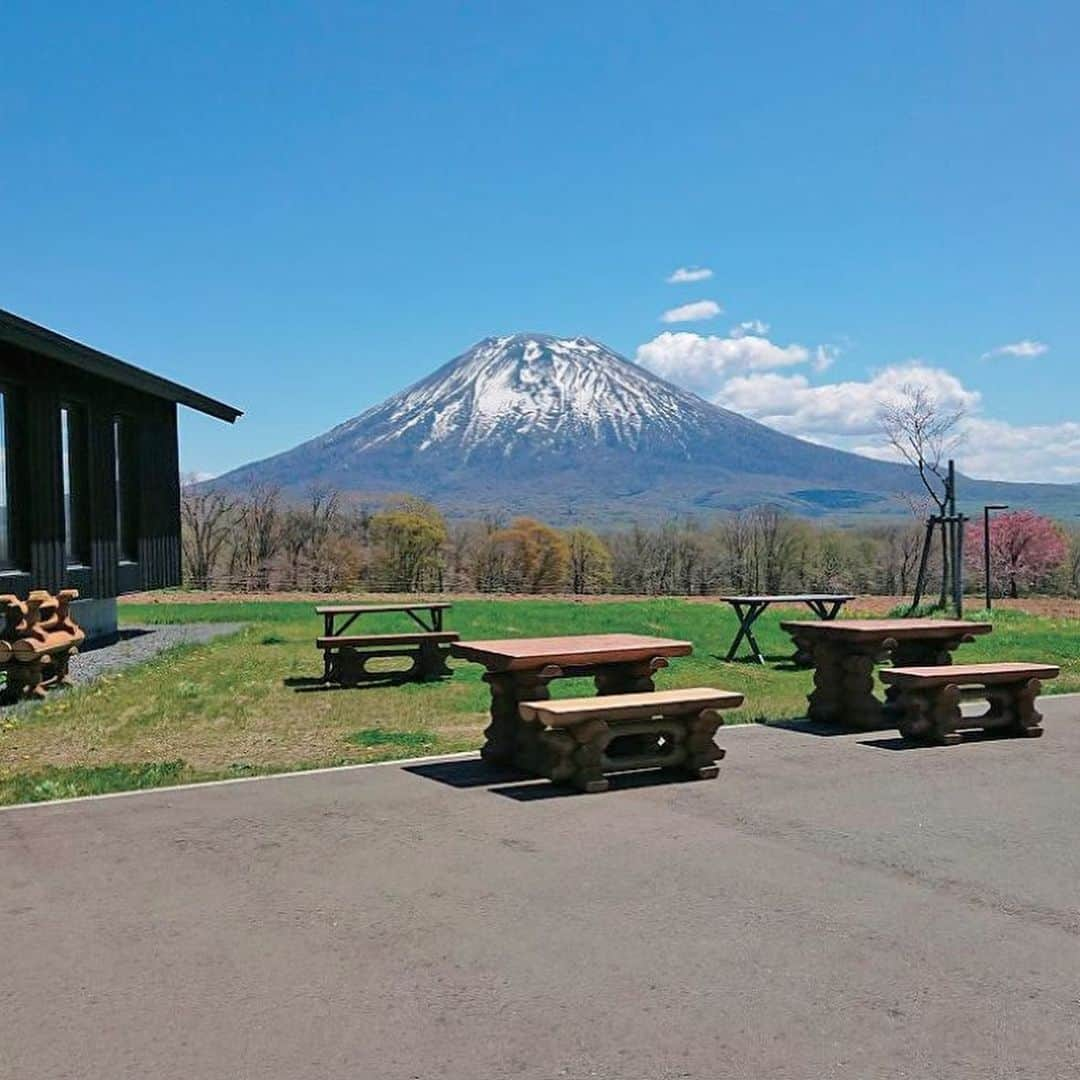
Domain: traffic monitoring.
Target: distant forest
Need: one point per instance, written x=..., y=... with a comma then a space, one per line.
x=261, y=542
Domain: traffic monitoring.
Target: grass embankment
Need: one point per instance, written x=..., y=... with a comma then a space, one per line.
x=232, y=707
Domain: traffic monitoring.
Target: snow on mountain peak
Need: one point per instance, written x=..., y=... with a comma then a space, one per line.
x=535, y=390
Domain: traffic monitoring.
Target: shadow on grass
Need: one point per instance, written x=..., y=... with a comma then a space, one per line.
x=780, y=663
x=304, y=684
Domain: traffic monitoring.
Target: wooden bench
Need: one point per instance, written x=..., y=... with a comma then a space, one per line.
x=347, y=656
x=929, y=699
x=37, y=643
x=579, y=740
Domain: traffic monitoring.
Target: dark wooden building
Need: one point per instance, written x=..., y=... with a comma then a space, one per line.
x=89, y=476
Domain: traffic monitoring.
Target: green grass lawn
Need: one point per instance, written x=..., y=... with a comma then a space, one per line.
x=226, y=708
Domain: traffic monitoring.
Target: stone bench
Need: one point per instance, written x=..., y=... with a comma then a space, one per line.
x=928, y=702
x=347, y=655
x=580, y=740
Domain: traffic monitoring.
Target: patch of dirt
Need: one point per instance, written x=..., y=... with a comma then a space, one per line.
x=1053, y=607
x=1056, y=607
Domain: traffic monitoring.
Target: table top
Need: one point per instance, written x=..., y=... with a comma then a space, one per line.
x=899, y=629
x=520, y=654
x=364, y=609
x=785, y=598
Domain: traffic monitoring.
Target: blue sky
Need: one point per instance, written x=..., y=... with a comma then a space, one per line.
x=301, y=208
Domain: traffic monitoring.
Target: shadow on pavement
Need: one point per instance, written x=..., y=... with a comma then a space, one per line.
x=472, y=772
x=815, y=727
x=537, y=789
x=524, y=787
x=967, y=738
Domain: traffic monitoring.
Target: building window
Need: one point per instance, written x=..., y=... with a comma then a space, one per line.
x=7, y=538
x=76, y=475
x=127, y=488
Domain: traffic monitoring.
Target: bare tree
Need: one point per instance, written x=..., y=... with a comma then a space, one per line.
x=207, y=520
x=306, y=532
x=925, y=433
x=257, y=538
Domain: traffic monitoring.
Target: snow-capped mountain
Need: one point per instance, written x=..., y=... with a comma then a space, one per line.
x=528, y=392
x=566, y=429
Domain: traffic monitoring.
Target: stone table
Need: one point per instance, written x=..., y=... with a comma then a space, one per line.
x=519, y=669
x=845, y=651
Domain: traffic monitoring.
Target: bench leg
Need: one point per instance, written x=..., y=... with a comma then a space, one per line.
x=702, y=753
x=592, y=739
x=930, y=716
x=1012, y=709
x=432, y=661
x=915, y=653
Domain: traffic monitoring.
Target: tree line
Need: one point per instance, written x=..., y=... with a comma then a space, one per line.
x=326, y=543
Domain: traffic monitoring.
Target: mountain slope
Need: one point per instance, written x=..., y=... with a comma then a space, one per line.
x=568, y=430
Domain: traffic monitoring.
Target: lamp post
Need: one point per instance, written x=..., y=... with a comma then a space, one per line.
x=986, y=544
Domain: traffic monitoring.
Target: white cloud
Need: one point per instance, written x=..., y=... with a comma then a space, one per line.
x=686, y=274
x=695, y=312
x=998, y=450
x=750, y=374
x=844, y=415
x=824, y=355
x=844, y=409
x=705, y=362
x=751, y=326
x=1026, y=349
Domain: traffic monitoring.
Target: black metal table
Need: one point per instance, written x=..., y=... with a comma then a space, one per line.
x=748, y=609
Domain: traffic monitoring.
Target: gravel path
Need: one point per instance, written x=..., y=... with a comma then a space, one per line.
x=139, y=643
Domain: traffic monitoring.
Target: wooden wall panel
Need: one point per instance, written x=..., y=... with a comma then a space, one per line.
x=45, y=514
x=104, y=549
x=42, y=386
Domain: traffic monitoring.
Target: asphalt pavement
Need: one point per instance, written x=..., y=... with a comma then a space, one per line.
x=831, y=906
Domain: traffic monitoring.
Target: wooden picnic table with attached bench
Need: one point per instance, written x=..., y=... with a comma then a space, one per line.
x=346, y=656
x=519, y=670
x=844, y=653
x=748, y=609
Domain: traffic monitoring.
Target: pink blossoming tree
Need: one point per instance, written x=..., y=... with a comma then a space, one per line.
x=1025, y=550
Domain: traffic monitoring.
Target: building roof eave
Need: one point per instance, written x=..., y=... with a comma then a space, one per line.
x=39, y=339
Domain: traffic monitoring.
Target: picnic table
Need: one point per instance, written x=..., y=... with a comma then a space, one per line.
x=351, y=612
x=346, y=656
x=844, y=652
x=748, y=609
x=519, y=670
